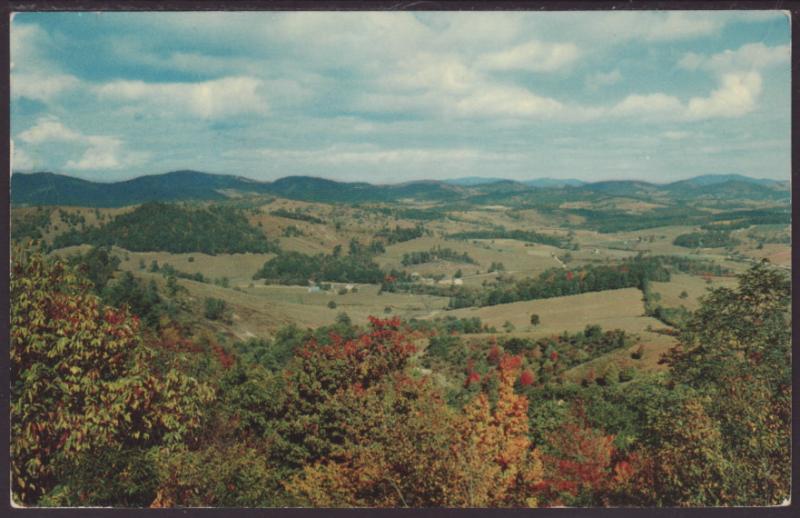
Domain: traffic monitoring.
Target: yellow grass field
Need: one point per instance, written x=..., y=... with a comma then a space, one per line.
x=612, y=309
x=695, y=287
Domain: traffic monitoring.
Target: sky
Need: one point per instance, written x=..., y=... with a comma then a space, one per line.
x=402, y=96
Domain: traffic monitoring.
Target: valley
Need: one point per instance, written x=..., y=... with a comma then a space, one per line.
x=537, y=229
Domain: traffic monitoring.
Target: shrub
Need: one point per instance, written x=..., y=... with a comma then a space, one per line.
x=627, y=374
x=215, y=308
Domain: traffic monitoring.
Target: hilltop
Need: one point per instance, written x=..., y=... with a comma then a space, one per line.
x=46, y=188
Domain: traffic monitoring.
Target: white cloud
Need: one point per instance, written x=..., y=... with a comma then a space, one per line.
x=20, y=159
x=736, y=96
x=375, y=156
x=32, y=75
x=445, y=85
x=99, y=151
x=49, y=130
x=507, y=101
x=428, y=71
x=103, y=153
x=678, y=25
x=534, y=56
x=41, y=86
x=649, y=104
x=752, y=56
x=229, y=96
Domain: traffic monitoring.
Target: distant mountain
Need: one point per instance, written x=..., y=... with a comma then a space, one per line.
x=553, y=183
x=713, y=179
x=731, y=189
x=622, y=188
x=55, y=189
x=310, y=188
x=470, y=181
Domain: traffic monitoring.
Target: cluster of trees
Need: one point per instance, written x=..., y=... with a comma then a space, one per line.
x=706, y=239
x=299, y=268
x=174, y=228
x=771, y=235
x=292, y=231
x=557, y=282
x=167, y=270
x=436, y=253
x=105, y=411
x=693, y=266
x=297, y=215
x=747, y=218
x=554, y=355
x=450, y=325
x=500, y=232
x=74, y=219
x=400, y=234
x=29, y=223
x=430, y=214
x=610, y=221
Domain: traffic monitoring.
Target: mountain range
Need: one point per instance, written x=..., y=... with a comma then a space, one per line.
x=46, y=188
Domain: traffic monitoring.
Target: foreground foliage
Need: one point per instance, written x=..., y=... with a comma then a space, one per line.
x=109, y=410
x=81, y=381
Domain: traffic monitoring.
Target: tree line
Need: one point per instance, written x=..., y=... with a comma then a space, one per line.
x=528, y=236
x=436, y=253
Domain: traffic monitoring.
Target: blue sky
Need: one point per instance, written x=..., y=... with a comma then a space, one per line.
x=390, y=97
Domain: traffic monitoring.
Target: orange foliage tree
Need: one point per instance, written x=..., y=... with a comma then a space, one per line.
x=404, y=446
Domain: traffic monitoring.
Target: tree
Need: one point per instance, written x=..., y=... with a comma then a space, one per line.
x=82, y=382
x=497, y=465
x=98, y=265
x=535, y=319
x=219, y=475
x=736, y=351
x=404, y=447
x=578, y=464
x=214, y=308
x=172, y=285
x=394, y=451
x=306, y=426
x=688, y=466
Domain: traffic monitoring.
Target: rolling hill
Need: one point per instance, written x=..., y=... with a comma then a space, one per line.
x=31, y=189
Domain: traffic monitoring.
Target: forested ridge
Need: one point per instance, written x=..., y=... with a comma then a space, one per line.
x=174, y=228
